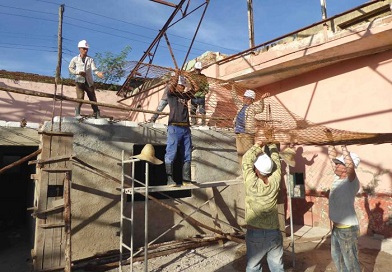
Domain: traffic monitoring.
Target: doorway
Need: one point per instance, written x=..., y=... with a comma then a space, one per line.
x=16, y=196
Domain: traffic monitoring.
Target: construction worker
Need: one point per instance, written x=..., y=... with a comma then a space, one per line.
x=345, y=186
x=244, y=122
x=199, y=100
x=178, y=130
x=82, y=67
x=262, y=177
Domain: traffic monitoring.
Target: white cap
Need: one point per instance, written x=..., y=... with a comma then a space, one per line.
x=83, y=44
x=181, y=81
x=198, y=65
x=250, y=94
x=353, y=156
x=264, y=164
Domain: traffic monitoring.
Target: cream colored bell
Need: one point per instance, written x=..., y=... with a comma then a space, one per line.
x=148, y=154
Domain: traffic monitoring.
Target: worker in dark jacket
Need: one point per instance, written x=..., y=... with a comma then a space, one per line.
x=178, y=130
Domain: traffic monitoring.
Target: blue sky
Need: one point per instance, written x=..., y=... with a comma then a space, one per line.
x=28, y=28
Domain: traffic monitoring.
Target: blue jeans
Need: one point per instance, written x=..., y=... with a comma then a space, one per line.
x=344, y=249
x=178, y=137
x=260, y=242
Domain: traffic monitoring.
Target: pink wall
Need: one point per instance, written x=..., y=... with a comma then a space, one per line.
x=354, y=95
x=14, y=107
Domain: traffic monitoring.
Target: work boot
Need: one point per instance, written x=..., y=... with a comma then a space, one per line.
x=203, y=120
x=97, y=115
x=186, y=174
x=77, y=112
x=169, y=173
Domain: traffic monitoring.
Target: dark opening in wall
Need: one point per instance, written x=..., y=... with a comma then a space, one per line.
x=17, y=194
x=157, y=174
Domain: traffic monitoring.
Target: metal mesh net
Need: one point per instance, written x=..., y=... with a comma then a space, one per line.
x=224, y=100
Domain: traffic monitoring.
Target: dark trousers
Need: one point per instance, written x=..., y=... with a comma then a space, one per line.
x=82, y=88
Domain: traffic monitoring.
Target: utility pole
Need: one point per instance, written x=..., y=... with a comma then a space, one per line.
x=323, y=9
x=59, y=44
x=251, y=24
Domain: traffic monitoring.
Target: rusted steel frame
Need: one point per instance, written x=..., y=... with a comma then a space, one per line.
x=164, y=3
x=250, y=50
x=171, y=51
x=20, y=161
x=197, y=30
x=155, y=41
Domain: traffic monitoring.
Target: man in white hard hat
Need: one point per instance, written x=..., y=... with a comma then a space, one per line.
x=345, y=186
x=199, y=100
x=82, y=66
x=244, y=122
x=178, y=130
x=262, y=179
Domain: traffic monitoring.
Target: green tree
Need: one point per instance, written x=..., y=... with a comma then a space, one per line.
x=112, y=65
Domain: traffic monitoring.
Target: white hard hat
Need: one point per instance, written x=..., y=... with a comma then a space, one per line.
x=264, y=164
x=250, y=94
x=181, y=81
x=353, y=156
x=83, y=44
x=198, y=65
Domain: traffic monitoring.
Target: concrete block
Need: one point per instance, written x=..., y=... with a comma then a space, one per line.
x=201, y=127
x=12, y=124
x=66, y=119
x=127, y=124
x=100, y=121
x=32, y=125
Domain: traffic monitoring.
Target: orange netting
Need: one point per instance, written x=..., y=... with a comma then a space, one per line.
x=224, y=99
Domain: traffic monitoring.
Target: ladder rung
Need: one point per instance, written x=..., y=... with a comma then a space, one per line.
x=127, y=247
x=127, y=176
x=47, y=226
x=56, y=169
x=127, y=218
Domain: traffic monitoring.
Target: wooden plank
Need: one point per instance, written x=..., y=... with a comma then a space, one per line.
x=67, y=221
x=40, y=200
x=185, y=187
x=19, y=162
x=46, y=226
x=56, y=133
x=50, y=210
x=49, y=246
x=56, y=170
x=52, y=159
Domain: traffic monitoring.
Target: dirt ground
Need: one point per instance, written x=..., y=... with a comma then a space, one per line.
x=311, y=247
x=310, y=256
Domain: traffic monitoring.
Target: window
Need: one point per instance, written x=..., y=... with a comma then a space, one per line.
x=157, y=174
